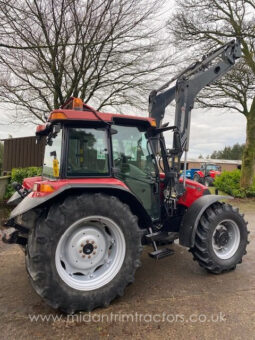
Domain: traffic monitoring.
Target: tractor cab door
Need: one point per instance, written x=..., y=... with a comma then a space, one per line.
x=136, y=166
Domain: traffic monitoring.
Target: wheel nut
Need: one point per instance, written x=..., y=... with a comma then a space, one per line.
x=80, y=251
x=89, y=256
x=87, y=241
x=83, y=256
x=95, y=247
x=93, y=242
x=94, y=252
x=82, y=245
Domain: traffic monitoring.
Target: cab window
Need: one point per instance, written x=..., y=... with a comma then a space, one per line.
x=131, y=152
x=52, y=155
x=87, y=152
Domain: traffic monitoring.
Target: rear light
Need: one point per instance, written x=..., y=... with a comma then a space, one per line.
x=153, y=123
x=57, y=116
x=46, y=188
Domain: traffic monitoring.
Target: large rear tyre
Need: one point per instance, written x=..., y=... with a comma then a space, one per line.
x=84, y=253
x=221, y=238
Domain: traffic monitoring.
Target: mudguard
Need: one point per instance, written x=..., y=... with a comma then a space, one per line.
x=28, y=203
x=191, y=219
x=200, y=173
x=15, y=199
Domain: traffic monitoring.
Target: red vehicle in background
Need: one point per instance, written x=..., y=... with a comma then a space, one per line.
x=207, y=173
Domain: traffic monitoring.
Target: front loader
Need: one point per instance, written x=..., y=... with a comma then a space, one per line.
x=110, y=185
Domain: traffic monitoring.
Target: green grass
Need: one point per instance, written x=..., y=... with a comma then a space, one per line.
x=245, y=204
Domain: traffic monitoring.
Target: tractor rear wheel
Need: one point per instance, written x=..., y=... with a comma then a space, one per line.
x=221, y=238
x=197, y=178
x=84, y=252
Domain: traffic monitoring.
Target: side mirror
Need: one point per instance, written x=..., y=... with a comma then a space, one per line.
x=177, y=142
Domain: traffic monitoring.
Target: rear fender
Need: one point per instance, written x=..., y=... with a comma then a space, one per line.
x=191, y=218
x=200, y=173
x=30, y=203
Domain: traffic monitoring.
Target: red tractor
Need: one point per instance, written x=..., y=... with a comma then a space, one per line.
x=207, y=173
x=102, y=196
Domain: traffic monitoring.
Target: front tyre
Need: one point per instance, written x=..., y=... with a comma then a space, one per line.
x=221, y=238
x=84, y=253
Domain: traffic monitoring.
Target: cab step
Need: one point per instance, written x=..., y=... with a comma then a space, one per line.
x=161, y=236
x=161, y=253
x=156, y=236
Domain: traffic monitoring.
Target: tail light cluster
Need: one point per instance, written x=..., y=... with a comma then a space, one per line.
x=43, y=187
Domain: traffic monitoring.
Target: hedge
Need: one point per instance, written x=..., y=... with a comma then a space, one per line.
x=18, y=175
x=229, y=182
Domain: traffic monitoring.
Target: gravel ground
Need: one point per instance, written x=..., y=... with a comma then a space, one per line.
x=171, y=298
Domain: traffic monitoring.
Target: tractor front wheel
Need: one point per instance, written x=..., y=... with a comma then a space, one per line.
x=84, y=252
x=221, y=238
x=208, y=181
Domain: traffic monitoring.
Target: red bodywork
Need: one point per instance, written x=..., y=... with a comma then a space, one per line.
x=29, y=183
x=90, y=116
x=200, y=173
x=212, y=173
x=193, y=191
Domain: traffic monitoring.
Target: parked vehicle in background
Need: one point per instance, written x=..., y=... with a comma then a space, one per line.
x=205, y=174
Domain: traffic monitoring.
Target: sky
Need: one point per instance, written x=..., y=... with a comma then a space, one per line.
x=213, y=129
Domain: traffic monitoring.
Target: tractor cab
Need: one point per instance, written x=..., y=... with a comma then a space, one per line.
x=210, y=169
x=79, y=150
x=83, y=145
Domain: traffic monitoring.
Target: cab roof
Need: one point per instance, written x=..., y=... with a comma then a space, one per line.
x=76, y=110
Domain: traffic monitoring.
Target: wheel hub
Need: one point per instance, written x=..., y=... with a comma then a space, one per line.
x=221, y=237
x=226, y=239
x=88, y=249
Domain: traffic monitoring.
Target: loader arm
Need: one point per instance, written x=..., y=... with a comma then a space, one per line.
x=188, y=84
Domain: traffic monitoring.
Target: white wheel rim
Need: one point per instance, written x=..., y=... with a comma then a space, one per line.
x=90, y=253
x=228, y=232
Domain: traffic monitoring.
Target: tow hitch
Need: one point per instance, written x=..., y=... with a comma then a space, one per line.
x=23, y=192
x=18, y=236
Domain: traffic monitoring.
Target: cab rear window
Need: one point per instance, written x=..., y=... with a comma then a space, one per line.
x=87, y=152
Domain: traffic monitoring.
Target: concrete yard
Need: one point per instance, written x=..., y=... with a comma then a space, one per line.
x=170, y=299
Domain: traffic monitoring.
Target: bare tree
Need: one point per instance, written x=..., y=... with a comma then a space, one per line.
x=106, y=52
x=201, y=25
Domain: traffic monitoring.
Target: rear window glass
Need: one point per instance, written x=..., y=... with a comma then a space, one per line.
x=87, y=152
x=52, y=156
